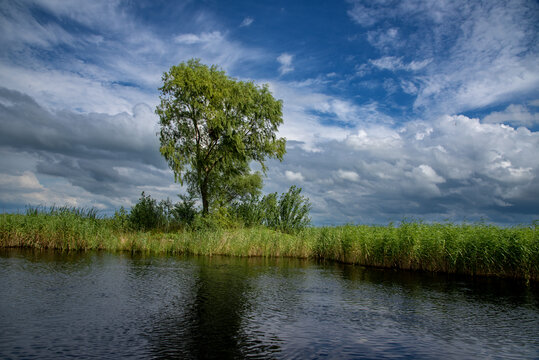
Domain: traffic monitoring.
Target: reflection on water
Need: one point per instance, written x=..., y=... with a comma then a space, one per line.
x=55, y=305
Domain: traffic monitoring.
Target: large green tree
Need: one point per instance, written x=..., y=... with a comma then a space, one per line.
x=213, y=126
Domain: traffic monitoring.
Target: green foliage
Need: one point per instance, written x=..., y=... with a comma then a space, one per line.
x=294, y=210
x=184, y=212
x=212, y=126
x=250, y=212
x=288, y=213
x=221, y=218
x=238, y=189
x=120, y=220
x=147, y=214
x=64, y=228
x=476, y=249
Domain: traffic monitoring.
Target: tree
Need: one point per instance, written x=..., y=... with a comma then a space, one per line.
x=213, y=126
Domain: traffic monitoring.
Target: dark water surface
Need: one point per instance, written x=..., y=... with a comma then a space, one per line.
x=100, y=305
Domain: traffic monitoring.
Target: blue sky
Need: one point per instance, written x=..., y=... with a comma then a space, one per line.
x=422, y=109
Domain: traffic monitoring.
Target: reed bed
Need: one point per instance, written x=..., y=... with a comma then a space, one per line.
x=473, y=249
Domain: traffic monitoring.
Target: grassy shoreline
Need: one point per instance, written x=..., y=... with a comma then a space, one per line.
x=471, y=249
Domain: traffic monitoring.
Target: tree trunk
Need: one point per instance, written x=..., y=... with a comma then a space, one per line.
x=204, y=196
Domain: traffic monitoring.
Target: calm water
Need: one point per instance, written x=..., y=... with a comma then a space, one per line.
x=97, y=305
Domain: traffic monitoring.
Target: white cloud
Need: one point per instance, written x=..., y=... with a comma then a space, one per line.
x=514, y=114
x=20, y=28
x=305, y=109
x=25, y=189
x=487, y=62
x=247, y=21
x=344, y=111
x=25, y=181
x=385, y=40
x=374, y=173
x=435, y=169
x=286, y=63
x=427, y=173
x=395, y=63
x=204, y=38
x=88, y=159
x=470, y=54
x=294, y=176
x=368, y=13
x=376, y=139
x=408, y=87
x=362, y=15
x=347, y=175
x=65, y=89
x=106, y=68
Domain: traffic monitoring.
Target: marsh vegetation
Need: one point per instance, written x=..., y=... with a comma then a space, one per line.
x=473, y=249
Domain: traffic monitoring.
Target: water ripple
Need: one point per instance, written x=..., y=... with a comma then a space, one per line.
x=96, y=305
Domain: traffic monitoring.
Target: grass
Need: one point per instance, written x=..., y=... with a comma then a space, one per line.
x=473, y=249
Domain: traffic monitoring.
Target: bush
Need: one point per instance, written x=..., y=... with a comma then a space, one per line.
x=184, y=212
x=288, y=213
x=120, y=220
x=221, y=218
x=250, y=212
x=146, y=214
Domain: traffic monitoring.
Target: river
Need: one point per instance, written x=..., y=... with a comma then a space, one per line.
x=108, y=306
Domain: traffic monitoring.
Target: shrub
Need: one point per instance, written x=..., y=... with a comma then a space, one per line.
x=184, y=212
x=146, y=214
x=120, y=220
x=290, y=213
x=250, y=212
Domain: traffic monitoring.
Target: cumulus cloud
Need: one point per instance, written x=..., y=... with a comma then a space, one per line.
x=111, y=157
x=25, y=181
x=286, y=63
x=293, y=176
x=372, y=173
x=434, y=170
x=347, y=175
x=306, y=112
x=518, y=115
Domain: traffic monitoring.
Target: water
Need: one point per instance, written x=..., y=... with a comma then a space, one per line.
x=98, y=305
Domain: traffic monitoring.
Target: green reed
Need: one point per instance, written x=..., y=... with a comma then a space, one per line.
x=473, y=249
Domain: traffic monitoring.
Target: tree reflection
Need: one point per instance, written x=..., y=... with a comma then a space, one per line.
x=207, y=324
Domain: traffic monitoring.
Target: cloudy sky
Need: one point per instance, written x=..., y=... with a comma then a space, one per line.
x=392, y=110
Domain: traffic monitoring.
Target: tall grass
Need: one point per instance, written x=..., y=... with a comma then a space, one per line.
x=474, y=249
x=60, y=228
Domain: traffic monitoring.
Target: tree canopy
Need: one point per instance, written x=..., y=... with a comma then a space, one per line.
x=213, y=126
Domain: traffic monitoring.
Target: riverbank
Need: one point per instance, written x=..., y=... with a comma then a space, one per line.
x=472, y=249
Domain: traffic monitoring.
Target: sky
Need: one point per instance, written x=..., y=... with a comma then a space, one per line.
x=425, y=110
